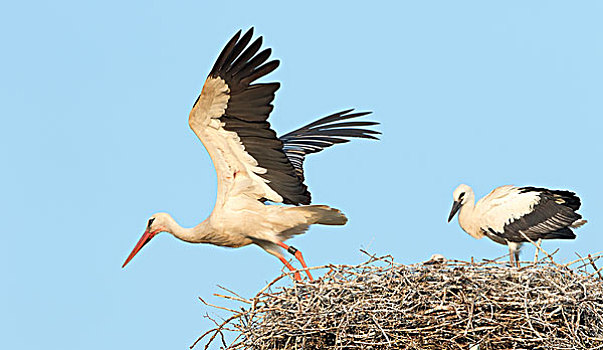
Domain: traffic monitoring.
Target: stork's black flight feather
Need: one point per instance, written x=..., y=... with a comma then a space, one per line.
x=240, y=64
x=322, y=134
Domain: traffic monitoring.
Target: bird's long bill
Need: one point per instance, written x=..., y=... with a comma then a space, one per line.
x=455, y=207
x=146, y=238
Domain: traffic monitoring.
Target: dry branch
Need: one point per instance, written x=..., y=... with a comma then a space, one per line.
x=450, y=305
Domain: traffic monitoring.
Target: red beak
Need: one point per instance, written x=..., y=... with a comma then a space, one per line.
x=146, y=238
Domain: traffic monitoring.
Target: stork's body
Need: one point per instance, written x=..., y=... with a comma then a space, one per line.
x=513, y=215
x=253, y=165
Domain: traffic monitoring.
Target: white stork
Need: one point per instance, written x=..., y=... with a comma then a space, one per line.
x=253, y=165
x=512, y=215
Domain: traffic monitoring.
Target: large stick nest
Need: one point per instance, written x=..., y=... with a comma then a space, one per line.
x=443, y=305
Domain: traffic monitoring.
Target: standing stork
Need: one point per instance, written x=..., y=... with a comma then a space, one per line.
x=253, y=165
x=512, y=215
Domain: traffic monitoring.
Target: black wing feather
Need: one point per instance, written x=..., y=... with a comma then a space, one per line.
x=551, y=217
x=247, y=111
x=570, y=198
x=322, y=134
x=240, y=64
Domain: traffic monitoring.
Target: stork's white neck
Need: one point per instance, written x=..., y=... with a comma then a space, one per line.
x=197, y=234
x=185, y=234
x=467, y=217
x=205, y=232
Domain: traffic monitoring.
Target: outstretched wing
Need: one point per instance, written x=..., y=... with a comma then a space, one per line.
x=230, y=118
x=322, y=134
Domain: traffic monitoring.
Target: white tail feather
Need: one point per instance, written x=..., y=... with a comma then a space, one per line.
x=578, y=223
x=321, y=214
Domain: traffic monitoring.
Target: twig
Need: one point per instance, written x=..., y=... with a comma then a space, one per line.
x=216, y=331
x=216, y=306
x=232, y=298
x=538, y=247
x=538, y=242
x=595, y=256
x=230, y=291
x=592, y=263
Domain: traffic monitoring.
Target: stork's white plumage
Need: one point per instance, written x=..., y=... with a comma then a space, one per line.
x=512, y=215
x=253, y=165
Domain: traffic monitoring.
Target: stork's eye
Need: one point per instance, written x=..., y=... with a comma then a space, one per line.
x=150, y=222
x=461, y=195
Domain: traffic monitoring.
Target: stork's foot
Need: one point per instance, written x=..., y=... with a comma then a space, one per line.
x=298, y=255
x=514, y=263
x=297, y=276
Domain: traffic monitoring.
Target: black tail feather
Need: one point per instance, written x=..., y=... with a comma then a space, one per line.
x=564, y=233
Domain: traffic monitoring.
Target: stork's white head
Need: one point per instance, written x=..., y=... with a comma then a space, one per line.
x=160, y=222
x=460, y=197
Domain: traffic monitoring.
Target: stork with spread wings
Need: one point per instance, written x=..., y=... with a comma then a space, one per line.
x=253, y=165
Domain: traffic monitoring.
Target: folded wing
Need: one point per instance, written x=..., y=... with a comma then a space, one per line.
x=538, y=213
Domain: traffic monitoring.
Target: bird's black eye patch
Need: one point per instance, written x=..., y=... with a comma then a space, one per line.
x=461, y=195
x=150, y=222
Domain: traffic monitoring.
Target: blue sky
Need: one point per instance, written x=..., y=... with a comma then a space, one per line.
x=95, y=99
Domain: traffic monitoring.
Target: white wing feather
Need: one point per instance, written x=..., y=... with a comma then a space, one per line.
x=236, y=170
x=504, y=205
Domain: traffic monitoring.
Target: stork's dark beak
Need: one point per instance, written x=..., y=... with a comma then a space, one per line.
x=146, y=238
x=455, y=207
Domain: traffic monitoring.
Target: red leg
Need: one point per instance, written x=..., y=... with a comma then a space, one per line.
x=282, y=258
x=298, y=256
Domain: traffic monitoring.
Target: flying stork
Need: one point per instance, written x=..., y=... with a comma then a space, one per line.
x=509, y=214
x=253, y=165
